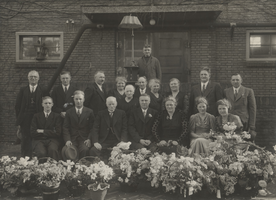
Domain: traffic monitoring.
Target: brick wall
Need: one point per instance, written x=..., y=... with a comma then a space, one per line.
x=210, y=47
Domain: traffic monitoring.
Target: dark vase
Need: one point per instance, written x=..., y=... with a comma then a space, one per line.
x=50, y=193
x=129, y=188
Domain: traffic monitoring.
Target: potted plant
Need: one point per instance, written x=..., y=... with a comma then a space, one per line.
x=129, y=166
x=96, y=177
x=49, y=176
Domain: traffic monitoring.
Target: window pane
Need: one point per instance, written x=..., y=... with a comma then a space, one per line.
x=273, y=39
x=273, y=51
x=259, y=40
x=259, y=51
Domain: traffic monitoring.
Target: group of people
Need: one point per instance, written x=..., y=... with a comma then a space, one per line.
x=72, y=124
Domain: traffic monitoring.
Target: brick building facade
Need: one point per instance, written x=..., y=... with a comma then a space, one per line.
x=219, y=47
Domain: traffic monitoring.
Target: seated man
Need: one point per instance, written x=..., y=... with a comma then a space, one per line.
x=78, y=124
x=140, y=124
x=46, y=131
x=109, y=129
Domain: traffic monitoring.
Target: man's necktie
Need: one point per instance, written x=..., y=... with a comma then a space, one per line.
x=142, y=92
x=236, y=94
x=65, y=89
x=144, y=113
x=79, y=114
x=47, y=115
x=203, y=88
x=111, y=114
x=32, y=89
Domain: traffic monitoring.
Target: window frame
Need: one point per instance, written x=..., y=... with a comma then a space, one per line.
x=248, y=33
x=19, y=34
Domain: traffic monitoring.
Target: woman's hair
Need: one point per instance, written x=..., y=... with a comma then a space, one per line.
x=199, y=100
x=153, y=81
x=224, y=102
x=175, y=79
x=170, y=98
x=120, y=78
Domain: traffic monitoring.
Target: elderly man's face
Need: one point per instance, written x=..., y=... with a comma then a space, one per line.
x=33, y=78
x=204, y=76
x=144, y=102
x=65, y=79
x=100, y=78
x=236, y=81
x=79, y=99
x=147, y=52
x=47, y=105
x=111, y=105
x=142, y=83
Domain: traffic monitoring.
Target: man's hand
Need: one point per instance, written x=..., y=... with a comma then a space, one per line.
x=87, y=143
x=62, y=114
x=68, y=143
x=145, y=142
x=40, y=130
x=98, y=146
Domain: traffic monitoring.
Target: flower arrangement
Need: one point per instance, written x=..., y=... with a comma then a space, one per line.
x=15, y=174
x=129, y=167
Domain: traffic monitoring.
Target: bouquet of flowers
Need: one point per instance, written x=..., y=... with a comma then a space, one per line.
x=129, y=167
x=16, y=174
x=96, y=176
x=50, y=174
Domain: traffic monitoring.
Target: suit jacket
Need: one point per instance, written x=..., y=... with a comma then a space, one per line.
x=103, y=126
x=73, y=127
x=140, y=127
x=22, y=101
x=212, y=93
x=116, y=94
x=137, y=92
x=95, y=98
x=51, y=126
x=60, y=98
x=150, y=69
x=244, y=106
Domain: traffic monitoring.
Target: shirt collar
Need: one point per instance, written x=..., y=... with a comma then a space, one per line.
x=145, y=110
x=204, y=84
x=79, y=109
x=33, y=86
x=236, y=89
x=100, y=86
x=47, y=113
x=63, y=86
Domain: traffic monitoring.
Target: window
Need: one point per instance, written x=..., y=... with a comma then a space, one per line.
x=39, y=46
x=261, y=45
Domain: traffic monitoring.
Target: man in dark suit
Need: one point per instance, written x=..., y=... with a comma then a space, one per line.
x=78, y=125
x=210, y=90
x=149, y=66
x=142, y=87
x=63, y=94
x=46, y=131
x=95, y=95
x=140, y=124
x=243, y=102
x=110, y=128
x=28, y=102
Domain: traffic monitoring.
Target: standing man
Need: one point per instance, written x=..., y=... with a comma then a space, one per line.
x=62, y=94
x=46, y=131
x=78, y=125
x=109, y=129
x=96, y=94
x=149, y=66
x=208, y=89
x=243, y=103
x=28, y=102
x=140, y=124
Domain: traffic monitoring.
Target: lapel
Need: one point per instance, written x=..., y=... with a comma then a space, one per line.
x=147, y=118
x=198, y=90
x=208, y=89
x=231, y=94
x=38, y=95
x=115, y=117
x=61, y=92
x=42, y=120
x=101, y=93
x=141, y=115
x=68, y=96
x=49, y=120
x=83, y=114
x=74, y=114
x=107, y=117
x=240, y=93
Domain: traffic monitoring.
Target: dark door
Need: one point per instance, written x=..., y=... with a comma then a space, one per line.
x=171, y=48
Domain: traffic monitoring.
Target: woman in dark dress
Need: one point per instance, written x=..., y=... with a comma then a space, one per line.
x=176, y=93
x=171, y=124
x=156, y=99
x=119, y=91
x=129, y=102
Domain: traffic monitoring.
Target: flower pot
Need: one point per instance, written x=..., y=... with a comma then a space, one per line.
x=76, y=191
x=50, y=193
x=128, y=188
x=98, y=192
